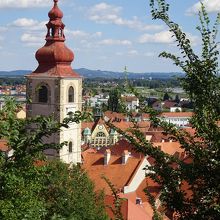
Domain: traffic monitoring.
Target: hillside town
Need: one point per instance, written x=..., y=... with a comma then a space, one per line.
x=108, y=142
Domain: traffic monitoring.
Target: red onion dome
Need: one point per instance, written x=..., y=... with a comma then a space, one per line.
x=55, y=12
x=54, y=53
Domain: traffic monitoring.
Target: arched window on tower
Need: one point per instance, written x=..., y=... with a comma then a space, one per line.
x=71, y=94
x=70, y=147
x=50, y=32
x=43, y=94
x=53, y=32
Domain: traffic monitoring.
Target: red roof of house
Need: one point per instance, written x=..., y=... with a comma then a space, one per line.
x=3, y=146
x=177, y=114
x=120, y=147
x=113, y=116
x=170, y=147
x=129, y=98
x=119, y=174
x=169, y=104
x=89, y=125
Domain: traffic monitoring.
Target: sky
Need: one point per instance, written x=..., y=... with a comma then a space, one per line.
x=103, y=34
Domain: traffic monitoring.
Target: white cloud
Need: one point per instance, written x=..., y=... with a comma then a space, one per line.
x=149, y=54
x=160, y=37
x=80, y=34
x=103, y=57
x=24, y=22
x=210, y=5
x=97, y=34
x=28, y=24
x=105, y=7
x=2, y=29
x=115, y=42
x=33, y=40
x=133, y=52
x=164, y=37
x=24, y=3
x=119, y=54
x=104, y=13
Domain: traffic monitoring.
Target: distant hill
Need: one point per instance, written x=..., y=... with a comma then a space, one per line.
x=15, y=73
x=86, y=73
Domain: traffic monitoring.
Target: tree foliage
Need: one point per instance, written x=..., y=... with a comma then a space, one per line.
x=166, y=97
x=32, y=187
x=189, y=188
x=114, y=103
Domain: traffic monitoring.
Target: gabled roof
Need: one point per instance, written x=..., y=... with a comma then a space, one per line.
x=120, y=147
x=123, y=125
x=129, y=98
x=119, y=174
x=170, y=147
x=177, y=114
x=169, y=104
x=113, y=116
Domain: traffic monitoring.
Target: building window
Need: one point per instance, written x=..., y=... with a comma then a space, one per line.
x=100, y=134
x=70, y=147
x=43, y=94
x=71, y=94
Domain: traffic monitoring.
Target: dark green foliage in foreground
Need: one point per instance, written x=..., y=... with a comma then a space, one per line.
x=190, y=189
x=202, y=84
x=33, y=188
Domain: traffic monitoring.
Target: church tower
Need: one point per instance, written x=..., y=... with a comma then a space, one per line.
x=54, y=88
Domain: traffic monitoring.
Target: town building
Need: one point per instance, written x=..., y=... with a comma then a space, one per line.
x=55, y=88
x=97, y=134
x=179, y=119
x=131, y=102
x=124, y=167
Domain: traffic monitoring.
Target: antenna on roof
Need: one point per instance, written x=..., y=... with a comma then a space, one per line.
x=126, y=76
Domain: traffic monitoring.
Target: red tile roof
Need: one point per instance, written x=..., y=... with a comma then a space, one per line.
x=129, y=98
x=120, y=147
x=3, y=146
x=177, y=114
x=119, y=174
x=169, y=104
x=115, y=115
x=87, y=125
x=170, y=147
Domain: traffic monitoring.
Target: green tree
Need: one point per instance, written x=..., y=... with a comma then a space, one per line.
x=70, y=193
x=114, y=103
x=166, y=97
x=32, y=187
x=177, y=99
x=200, y=176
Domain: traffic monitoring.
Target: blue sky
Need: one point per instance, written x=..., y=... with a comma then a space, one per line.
x=104, y=34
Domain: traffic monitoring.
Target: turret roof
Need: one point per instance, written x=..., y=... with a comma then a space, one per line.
x=55, y=57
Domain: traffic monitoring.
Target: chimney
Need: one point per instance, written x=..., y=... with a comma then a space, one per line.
x=125, y=156
x=138, y=201
x=107, y=156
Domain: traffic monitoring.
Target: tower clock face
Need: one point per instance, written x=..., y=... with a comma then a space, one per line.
x=100, y=127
